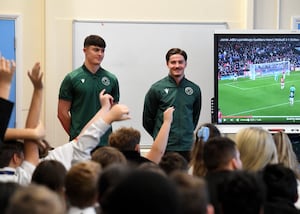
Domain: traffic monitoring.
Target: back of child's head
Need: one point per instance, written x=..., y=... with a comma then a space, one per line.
x=242, y=192
x=8, y=149
x=145, y=192
x=172, y=161
x=281, y=182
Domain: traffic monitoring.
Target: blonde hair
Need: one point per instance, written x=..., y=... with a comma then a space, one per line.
x=81, y=183
x=286, y=154
x=256, y=147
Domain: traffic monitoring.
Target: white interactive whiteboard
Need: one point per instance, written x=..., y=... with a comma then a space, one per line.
x=135, y=53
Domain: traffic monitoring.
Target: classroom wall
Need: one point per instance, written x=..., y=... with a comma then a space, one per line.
x=275, y=14
x=59, y=27
x=47, y=32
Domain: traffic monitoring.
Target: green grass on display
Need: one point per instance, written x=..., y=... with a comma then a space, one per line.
x=261, y=97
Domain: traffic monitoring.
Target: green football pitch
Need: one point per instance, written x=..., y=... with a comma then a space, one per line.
x=260, y=97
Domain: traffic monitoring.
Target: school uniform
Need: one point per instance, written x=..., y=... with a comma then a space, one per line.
x=75, y=151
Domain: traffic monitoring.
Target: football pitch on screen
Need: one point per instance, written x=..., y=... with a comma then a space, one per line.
x=260, y=97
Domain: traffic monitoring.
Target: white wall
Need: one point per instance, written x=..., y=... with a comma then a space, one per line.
x=275, y=14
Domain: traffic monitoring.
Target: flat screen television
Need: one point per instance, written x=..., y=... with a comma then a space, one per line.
x=257, y=80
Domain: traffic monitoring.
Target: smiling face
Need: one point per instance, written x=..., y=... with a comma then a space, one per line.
x=176, y=65
x=94, y=55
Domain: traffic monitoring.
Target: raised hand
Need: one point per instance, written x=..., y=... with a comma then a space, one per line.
x=7, y=70
x=106, y=100
x=168, y=114
x=35, y=75
x=118, y=112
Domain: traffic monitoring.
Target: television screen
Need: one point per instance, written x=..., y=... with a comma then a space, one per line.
x=257, y=78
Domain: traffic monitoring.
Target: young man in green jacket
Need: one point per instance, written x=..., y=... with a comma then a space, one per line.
x=174, y=90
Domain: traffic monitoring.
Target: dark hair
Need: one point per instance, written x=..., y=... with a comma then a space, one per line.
x=174, y=51
x=7, y=189
x=50, y=173
x=197, y=162
x=217, y=152
x=109, y=178
x=149, y=190
x=242, y=192
x=193, y=192
x=94, y=40
x=8, y=149
x=281, y=182
x=172, y=161
x=213, y=131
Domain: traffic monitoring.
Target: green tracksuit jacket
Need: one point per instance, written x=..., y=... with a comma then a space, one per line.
x=186, y=98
